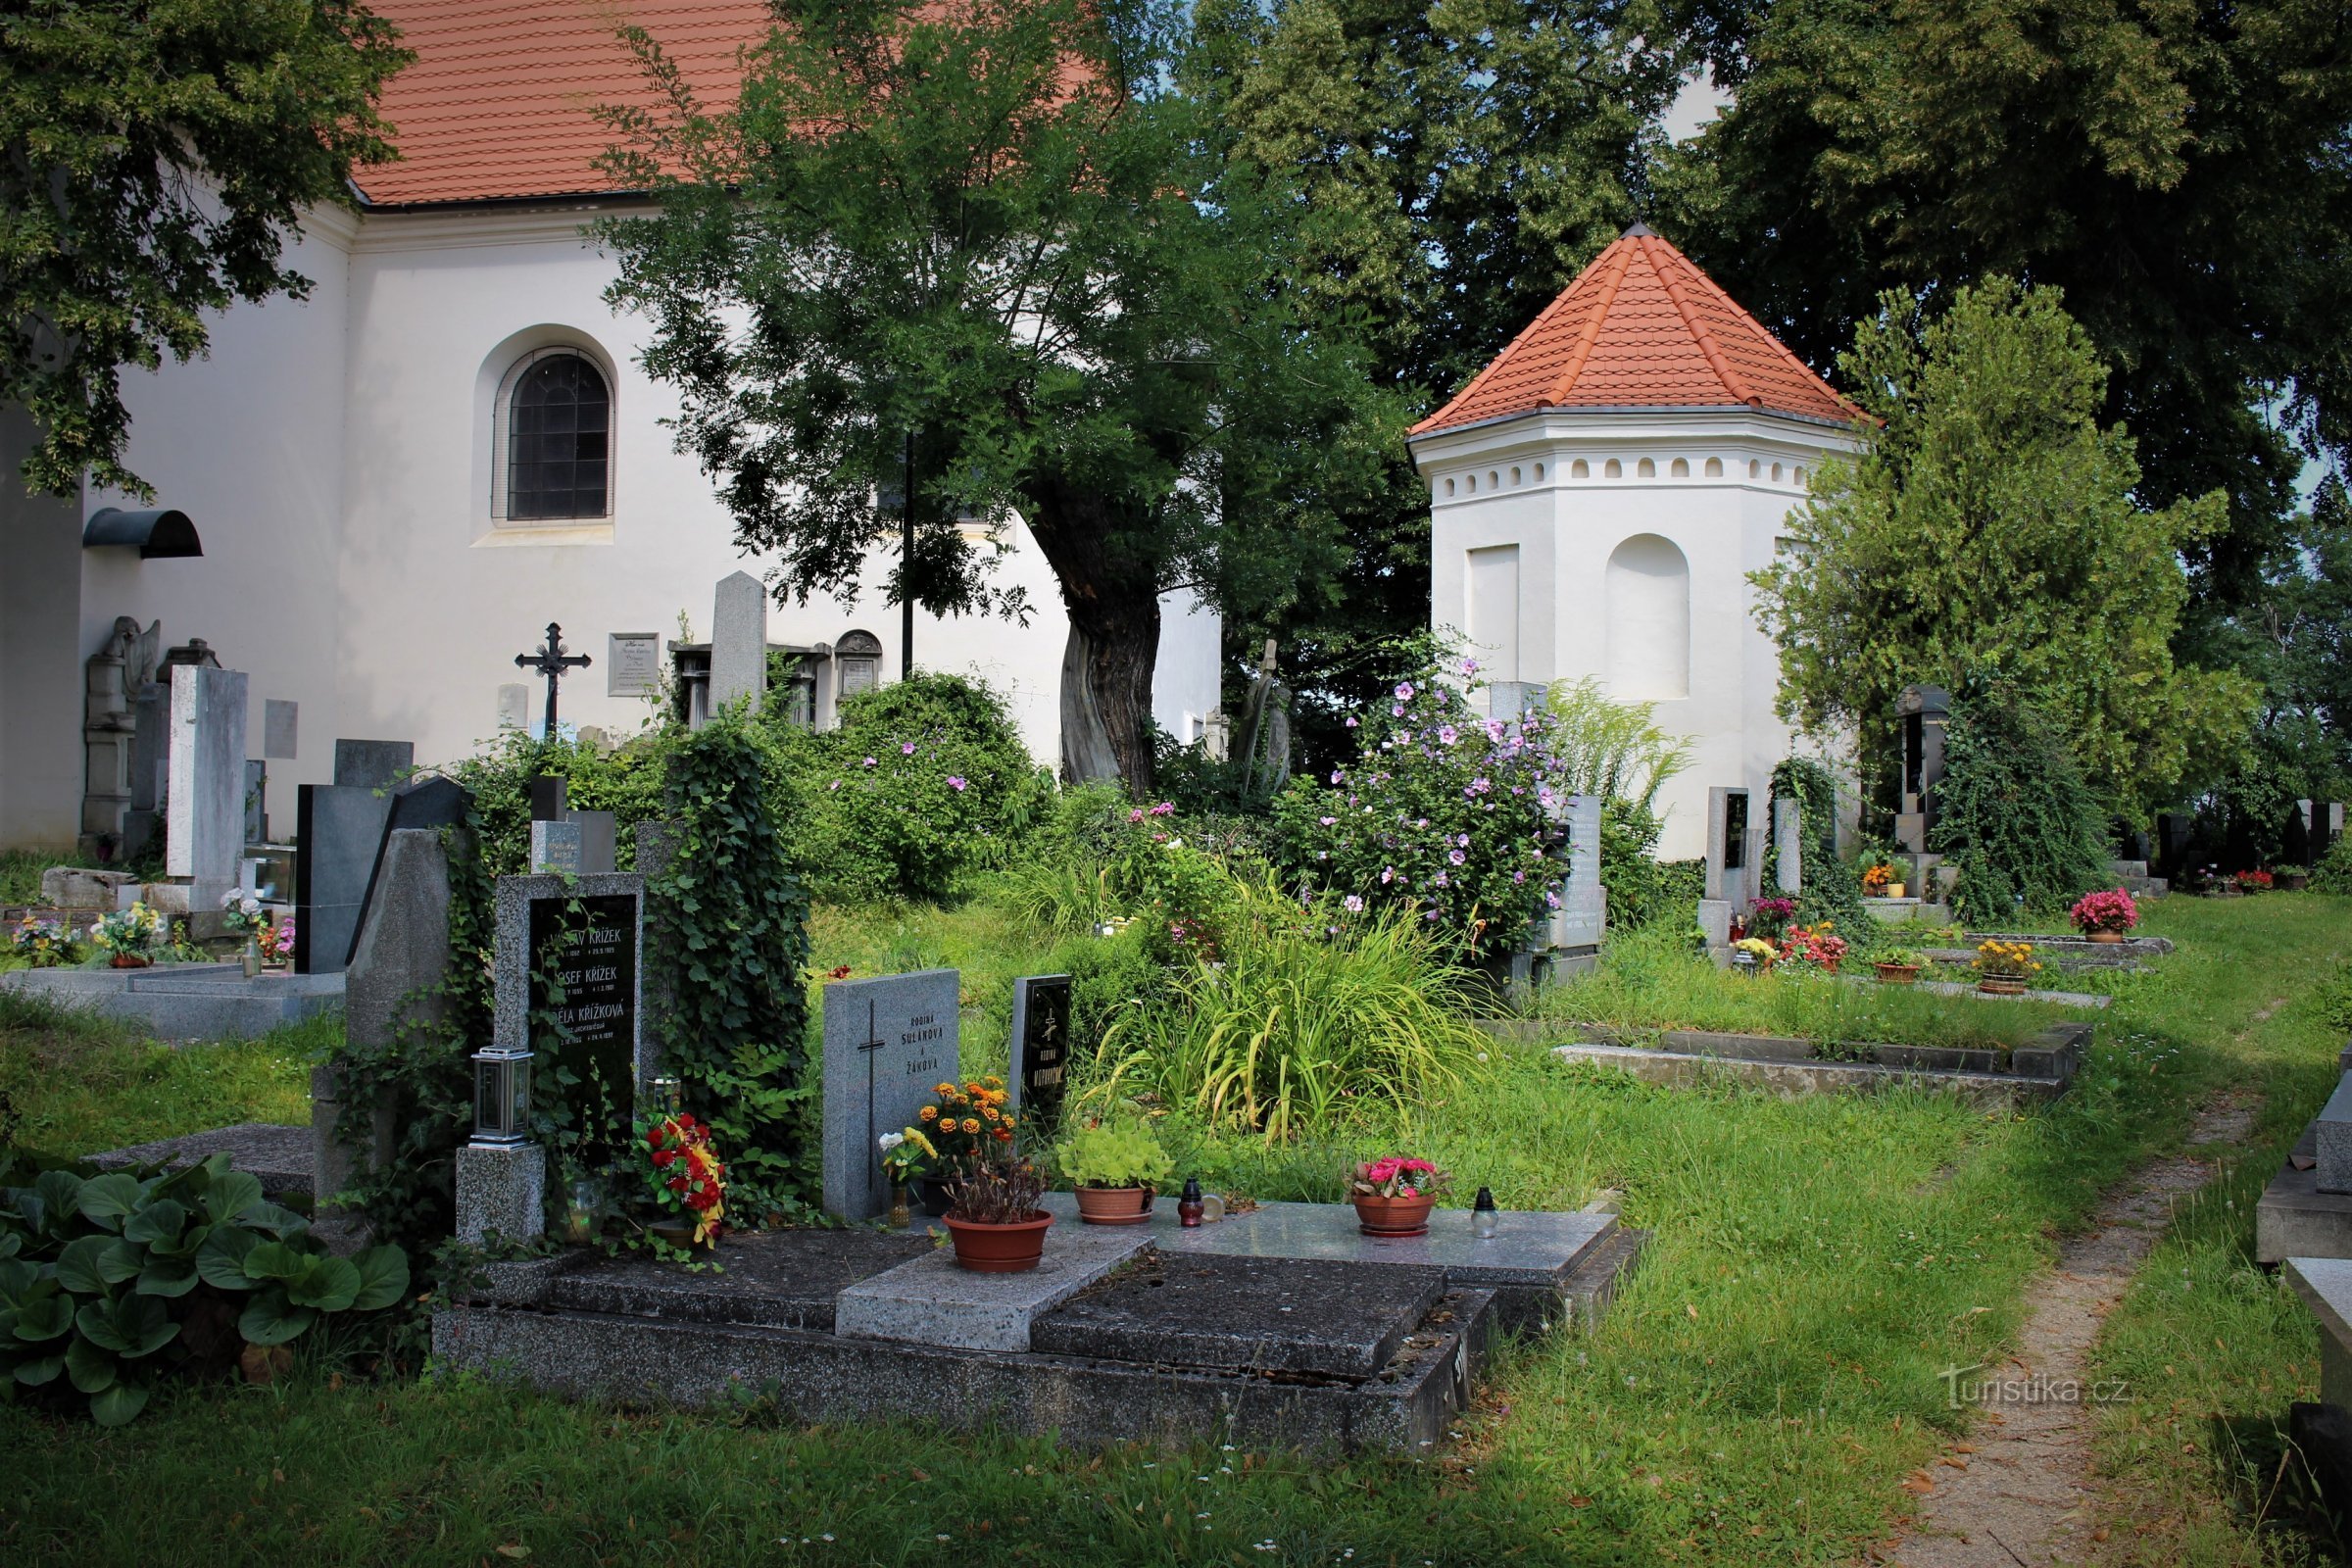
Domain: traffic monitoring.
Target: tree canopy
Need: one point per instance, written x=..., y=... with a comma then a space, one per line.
x=157, y=158
x=1991, y=529
x=995, y=231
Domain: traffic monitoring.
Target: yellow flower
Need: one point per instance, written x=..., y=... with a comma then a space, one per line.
x=930, y=1113
x=971, y=1124
x=988, y=1112
x=943, y=1089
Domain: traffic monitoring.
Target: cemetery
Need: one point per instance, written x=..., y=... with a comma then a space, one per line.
x=1180, y=784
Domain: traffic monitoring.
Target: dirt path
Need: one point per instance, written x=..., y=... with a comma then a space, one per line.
x=2018, y=1495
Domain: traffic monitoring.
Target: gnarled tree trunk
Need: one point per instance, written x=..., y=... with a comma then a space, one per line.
x=1113, y=601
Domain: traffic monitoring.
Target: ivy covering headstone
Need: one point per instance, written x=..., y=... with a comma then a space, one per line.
x=2014, y=811
x=1831, y=889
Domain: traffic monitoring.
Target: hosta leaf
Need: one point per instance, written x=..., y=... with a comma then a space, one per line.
x=278, y=1222
x=274, y=1320
x=221, y=1261
x=133, y=1326
x=190, y=1241
x=275, y=1260
x=120, y=1260
x=161, y=1220
x=329, y=1284
x=81, y=1266
x=32, y=1374
x=44, y=1317
x=108, y=1199
x=59, y=1192
x=117, y=1405
x=91, y=1368
x=383, y=1278
x=231, y=1194
x=17, y=1277
x=168, y=1276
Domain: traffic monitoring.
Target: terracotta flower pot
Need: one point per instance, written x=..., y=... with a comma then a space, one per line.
x=1000, y=1248
x=2108, y=937
x=1992, y=987
x=1897, y=974
x=1114, y=1205
x=1394, y=1216
x=128, y=960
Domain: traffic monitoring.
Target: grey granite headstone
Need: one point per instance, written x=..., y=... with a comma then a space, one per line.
x=556, y=849
x=548, y=795
x=1041, y=1055
x=1752, y=863
x=739, y=641
x=889, y=1042
x=2331, y=1133
x=374, y=764
x=256, y=800
x=279, y=722
x=632, y=663
x=206, y=808
x=600, y=840
x=338, y=832
x=1727, y=844
x=656, y=847
x=592, y=929
x=2334, y=825
x=1508, y=700
x=1788, y=866
x=1582, y=920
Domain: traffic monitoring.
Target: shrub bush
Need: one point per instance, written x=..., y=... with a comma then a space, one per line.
x=2333, y=874
x=627, y=782
x=1830, y=891
x=1644, y=889
x=2014, y=811
x=925, y=780
x=1446, y=815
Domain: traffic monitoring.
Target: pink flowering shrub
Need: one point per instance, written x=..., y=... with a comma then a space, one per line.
x=2111, y=910
x=1444, y=812
x=1397, y=1176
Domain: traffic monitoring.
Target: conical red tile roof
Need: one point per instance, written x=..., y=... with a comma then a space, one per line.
x=1642, y=328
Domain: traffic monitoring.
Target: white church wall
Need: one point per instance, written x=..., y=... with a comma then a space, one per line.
x=40, y=655
x=1633, y=552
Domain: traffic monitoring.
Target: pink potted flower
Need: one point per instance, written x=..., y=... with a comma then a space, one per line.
x=2105, y=916
x=1393, y=1197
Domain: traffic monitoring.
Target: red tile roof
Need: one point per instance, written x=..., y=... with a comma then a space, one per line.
x=1642, y=328
x=500, y=100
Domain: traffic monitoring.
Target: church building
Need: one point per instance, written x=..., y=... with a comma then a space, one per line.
x=1599, y=493
x=377, y=497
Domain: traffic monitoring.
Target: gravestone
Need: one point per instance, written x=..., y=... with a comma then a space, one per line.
x=280, y=720
x=107, y=731
x=205, y=805
x=432, y=802
x=338, y=830
x=2298, y=837
x=1041, y=1055
x=555, y=849
x=1726, y=846
x=1787, y=844
x=515, y=706
x=889, y=1042
x=634, y=663
x=1511, y=699
x=600, y=840
x=372, y=764
x=657, y=982
x=1753, y=860
x=1925, y=713
x=2333, y=827
x=585, y=938
x=1581, y=920
x=257, y=798
x=739, y=641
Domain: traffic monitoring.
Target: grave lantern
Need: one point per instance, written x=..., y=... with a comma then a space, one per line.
x=502, y=1096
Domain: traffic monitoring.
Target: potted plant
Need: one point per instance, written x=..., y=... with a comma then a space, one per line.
x=1898, y=966
x=965, y=1124
x=1115, y=1168
x=685, y=1177
x=1769, y=917
x=2293, y=880
x=241, y=915
x=2004, y=967
x=1754, y=955
x=128, y=937
x=994, y=1221
x=1814, y=947
x=41, y=943
x=1393, y=1197
x=277, y=944
x=2104, y=917
x=2252, y=881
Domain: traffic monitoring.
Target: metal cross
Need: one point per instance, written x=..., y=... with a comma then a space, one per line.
x=872, y=1043
x=548, y=660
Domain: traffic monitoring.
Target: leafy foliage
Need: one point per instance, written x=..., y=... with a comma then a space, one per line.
x=627, y=782
x=159, y=158
x=1446, y=815
x=1120, y=1151
x=1830, y=890
x=924, y=781
x=1642, y=889
x=101, y=1276
x=1992, y=525
x=1612, y=749
x=2014, y=811
x=1012, y=253
x=728, y=922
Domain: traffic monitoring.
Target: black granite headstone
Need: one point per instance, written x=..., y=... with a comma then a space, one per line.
x=584, y=977
x=1041, y=1055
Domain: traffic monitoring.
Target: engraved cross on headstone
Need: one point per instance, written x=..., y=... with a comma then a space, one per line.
x=866, y=1047
x=548, y=660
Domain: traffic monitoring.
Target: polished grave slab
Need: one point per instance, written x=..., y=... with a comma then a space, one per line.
x=1204, y=1309
x=933, y=1300
x=781, y=1279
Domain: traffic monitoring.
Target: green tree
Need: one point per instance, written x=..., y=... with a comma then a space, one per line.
x=2177, y=169
x=2014, y=811
x=1990, y=526
x=1457, y=164
x=157, y=158
x=997, y=227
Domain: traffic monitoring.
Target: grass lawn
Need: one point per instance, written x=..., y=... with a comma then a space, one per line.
x=1757, y=1396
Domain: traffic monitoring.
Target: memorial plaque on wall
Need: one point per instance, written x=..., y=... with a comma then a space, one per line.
x=632, y=663
x=584, y=976
x=1041, y=1055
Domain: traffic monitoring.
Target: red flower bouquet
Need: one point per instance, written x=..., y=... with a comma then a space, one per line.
x=683, y=1171
x=2111, y=910
x=1393, y=1197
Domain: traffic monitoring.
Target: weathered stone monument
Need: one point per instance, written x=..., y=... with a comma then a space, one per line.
x=1041, y=1055
x=1726, y=891
x=109, y=731
x=1788, y=846
x=1582, y=922
x=739, y=641
x=205, y=836
x=513, y=706
x=888, y=1044
x=339, y=835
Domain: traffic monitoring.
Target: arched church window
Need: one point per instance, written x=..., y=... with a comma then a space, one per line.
x=1776, y=473
x=859, y=655
x=1539, y=473
x=1754, y=467
x=1449, y=487
x=559, y=439
x=1649, y=621
x=1514, y=476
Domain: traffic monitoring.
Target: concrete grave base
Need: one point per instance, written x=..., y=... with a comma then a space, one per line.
x=501, y=1192
x=280, y=1157
x=2036, y=1073
x=2293, y=1219
x=1280, y=1326
x=188, y=1000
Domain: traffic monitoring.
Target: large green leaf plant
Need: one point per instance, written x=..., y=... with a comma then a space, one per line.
x=100, y=1275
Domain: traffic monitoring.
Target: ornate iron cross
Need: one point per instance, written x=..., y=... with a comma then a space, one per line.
x=549, y=661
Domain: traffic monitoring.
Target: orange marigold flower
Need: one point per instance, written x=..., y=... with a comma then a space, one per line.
x=971, y=1124
x=930, y=1113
